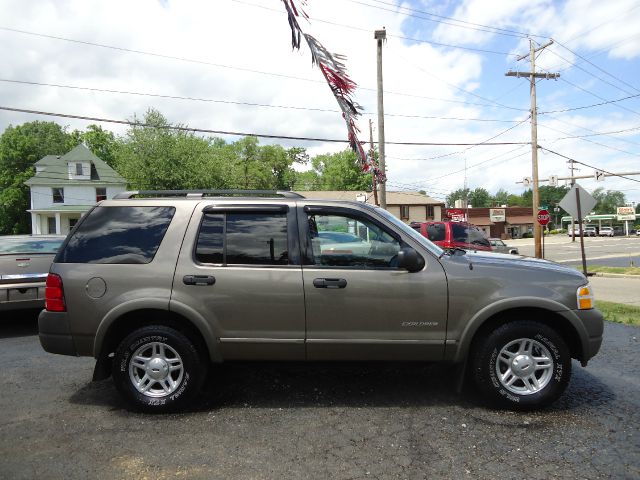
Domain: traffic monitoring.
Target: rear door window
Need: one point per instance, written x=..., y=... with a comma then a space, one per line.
x=468, y=234
x=243, y=238
x=118, y=235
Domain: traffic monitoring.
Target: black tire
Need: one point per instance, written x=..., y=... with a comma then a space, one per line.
x=505, y=348
x=170, y=362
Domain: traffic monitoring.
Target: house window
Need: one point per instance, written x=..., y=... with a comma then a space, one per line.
x=101, y=194
x=72, y=222
x=78, y=169
x=429, y=211
x=51, y=225
x=404, y=212
x=58, y=195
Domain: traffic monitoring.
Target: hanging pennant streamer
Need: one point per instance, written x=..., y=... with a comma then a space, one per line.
x=335, y=73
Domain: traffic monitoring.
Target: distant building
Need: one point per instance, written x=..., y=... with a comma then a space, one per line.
x=407, y=206
x=502, y=222
x=65, y=187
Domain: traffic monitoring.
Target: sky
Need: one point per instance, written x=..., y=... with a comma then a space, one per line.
x=228, y=65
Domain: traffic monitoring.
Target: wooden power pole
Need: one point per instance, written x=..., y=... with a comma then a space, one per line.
x=381, y=36
x=537, y=229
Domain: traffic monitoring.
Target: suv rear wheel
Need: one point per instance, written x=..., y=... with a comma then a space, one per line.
x=158, y=369
x=522, y=365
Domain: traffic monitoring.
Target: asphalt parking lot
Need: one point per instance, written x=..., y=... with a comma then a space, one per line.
x=340, y=421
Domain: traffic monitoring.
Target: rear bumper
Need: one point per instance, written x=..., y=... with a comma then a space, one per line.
x=54, y=333
x=18, y=296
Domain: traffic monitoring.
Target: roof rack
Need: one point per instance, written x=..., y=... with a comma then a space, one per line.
x=206, y=193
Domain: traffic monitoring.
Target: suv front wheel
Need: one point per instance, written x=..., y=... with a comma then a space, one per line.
x=158, y=369
x=522, y=365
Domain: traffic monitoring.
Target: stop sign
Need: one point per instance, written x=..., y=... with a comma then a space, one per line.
x=543, y=217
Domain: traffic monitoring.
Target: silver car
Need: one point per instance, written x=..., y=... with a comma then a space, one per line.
x=158, y=288
x=24, y=265
x=499, y=246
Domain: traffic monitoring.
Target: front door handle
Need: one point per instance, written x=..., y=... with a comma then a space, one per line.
x=199, y=280
x=329, y=283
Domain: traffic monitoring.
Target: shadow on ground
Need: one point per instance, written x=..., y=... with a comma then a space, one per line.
x=18, y=323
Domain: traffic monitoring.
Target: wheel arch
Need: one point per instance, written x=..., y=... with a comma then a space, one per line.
x=551, y=314
x=118, y=325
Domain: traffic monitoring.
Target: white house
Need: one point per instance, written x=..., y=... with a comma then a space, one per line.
x=65, y=187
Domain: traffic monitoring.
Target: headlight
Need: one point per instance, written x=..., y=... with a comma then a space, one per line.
x=585, y=298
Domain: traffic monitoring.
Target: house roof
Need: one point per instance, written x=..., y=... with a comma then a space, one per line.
x=52, y=169
x=393, y=198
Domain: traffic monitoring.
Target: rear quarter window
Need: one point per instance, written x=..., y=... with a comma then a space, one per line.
x=118, y=235
x=436, y=232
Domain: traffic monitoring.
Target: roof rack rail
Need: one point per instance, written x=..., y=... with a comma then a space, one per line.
x=206, y=193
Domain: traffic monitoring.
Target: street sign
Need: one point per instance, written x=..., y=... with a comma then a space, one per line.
x=599, y=175
x=526, y=181
x=553, y=181
x=544, y=217
x=570, y=204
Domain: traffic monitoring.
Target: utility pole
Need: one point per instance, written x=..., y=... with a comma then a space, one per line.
x=374, y=180
x=537, y=229
x=573, y=180
x=381, y=36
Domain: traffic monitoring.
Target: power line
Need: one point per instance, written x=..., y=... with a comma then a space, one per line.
x=589, y=106
x=597, y=96
x=446, y=20
x=591, y=141
x=260, y=135
x=230, y=102
x=590, y=166
x=597, y=67
x=369, y=30
x=595, y=134
x=203, y=62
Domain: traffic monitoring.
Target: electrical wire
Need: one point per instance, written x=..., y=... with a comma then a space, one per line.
x=245, y=134
x=590, y=166
x=589, y=106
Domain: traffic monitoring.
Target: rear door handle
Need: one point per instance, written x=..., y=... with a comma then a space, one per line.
x=199, y=280
x=329, y=283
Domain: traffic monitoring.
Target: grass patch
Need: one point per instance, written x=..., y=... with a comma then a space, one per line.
x=605, y=269
x=619, y=312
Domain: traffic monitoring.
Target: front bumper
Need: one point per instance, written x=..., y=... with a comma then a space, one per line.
x=593, y=327
x=54, y=333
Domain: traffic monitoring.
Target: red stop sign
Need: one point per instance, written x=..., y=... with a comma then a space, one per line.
x=543, y=217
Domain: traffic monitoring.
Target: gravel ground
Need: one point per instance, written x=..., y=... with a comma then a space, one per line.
x=339, y=421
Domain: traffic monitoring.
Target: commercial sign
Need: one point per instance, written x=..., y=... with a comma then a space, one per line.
x=626, y=213
x=455, y=214
x=497, y=215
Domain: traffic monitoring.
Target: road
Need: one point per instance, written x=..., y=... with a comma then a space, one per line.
x=339, y=421
x=613, y=251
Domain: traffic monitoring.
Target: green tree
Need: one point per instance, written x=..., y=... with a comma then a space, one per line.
x=339, y=171
x=20, y=148
x=608, y=201
x=501, y=197
x=480, y=197
x=460, y=194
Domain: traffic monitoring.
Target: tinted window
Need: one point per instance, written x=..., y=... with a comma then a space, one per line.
x=118, y=235
x=341, y=241
x=468, y=234
x=251, y=239
x=436, y=232
x=210, y=248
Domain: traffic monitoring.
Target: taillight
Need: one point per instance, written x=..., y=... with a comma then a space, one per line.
x=54, y=294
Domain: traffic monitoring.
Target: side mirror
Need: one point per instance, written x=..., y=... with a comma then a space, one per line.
x=409, y=259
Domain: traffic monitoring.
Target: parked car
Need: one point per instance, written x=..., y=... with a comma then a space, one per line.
x=24, y=265
x=453, y=235
x=590, y=231
x=606, y=232
x=499, y=246
x=157, y=288
x=586, y=231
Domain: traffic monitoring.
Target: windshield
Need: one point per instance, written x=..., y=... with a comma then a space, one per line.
x=436, y=250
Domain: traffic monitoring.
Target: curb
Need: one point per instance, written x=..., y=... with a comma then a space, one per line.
x=614, y=275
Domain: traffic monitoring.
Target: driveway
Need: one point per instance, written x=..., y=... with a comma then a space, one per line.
x=338, y=421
